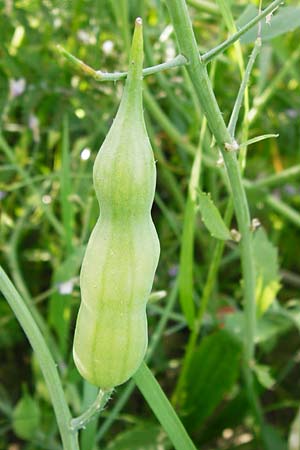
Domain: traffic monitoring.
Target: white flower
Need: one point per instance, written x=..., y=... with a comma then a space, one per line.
x=16, y=87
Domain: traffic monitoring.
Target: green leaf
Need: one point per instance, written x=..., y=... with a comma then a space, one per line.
x=264, y=376
x=213, y=370
x=212, y=218
x=186, y=278
x=267, y=271
x=142, y=437
x=26, y=417
x=284, y=19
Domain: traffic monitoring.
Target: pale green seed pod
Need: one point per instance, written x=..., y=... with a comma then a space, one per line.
x=123, y=251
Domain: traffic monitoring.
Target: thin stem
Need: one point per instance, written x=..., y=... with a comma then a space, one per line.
x=160, y=117
x=199, y=77
x=45, y=360
x=98, y=75
x=198, y=74
x=186, y=276
x=238, y=103
x=162, y=408
x=277, y=178
x=283, y=209
x=276, y=204
x=260, y=102
x=208, y=56
x=258, y=139
x=99, y=404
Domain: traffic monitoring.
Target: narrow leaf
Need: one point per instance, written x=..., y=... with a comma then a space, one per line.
x=187, y=264
x=186, y=278
x=212, y=218
x=258, y=139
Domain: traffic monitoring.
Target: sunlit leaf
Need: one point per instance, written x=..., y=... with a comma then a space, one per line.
x=212, y=218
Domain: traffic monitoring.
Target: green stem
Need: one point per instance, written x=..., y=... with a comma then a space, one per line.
x=45, y=360
x=198, y=74
x=160, y=117
x=162, y=408
x=283, y=209
x=277, y=178
x=238, y=103
x=208, y=56
x=98, y=75
x=243, y=93
x=260, y=102
x=197, y=71
x=186, y=275
x=81, y=421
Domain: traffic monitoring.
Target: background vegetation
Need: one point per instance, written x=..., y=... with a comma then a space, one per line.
x=53, y=121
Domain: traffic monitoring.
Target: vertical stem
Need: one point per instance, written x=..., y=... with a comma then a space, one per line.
x=198, y=74
x=162, y=408
x=199, y=77
x=45, y=360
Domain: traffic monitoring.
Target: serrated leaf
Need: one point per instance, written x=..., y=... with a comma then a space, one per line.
x=212, y=372
x=284, y=19
x=267, y=271
x=212, y=218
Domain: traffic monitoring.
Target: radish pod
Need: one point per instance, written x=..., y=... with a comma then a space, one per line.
x=123, y=250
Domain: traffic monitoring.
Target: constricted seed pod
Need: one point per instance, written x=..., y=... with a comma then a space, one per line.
x=123, y=251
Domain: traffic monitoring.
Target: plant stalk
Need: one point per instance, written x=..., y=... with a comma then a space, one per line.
x=48, y=367
x=198, y=74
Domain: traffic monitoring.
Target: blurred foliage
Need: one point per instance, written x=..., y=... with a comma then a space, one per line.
x=53, y=121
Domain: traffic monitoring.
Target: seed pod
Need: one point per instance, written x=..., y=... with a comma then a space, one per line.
x=123, y=250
